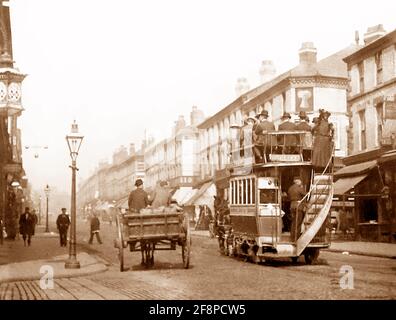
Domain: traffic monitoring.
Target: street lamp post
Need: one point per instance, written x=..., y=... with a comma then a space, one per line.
x=74, y=140
x=47, y=191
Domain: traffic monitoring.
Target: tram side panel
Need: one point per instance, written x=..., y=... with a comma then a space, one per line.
x=243, y=220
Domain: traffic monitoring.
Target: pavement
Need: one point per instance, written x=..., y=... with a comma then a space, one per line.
x=371, y=249
x=43, y=258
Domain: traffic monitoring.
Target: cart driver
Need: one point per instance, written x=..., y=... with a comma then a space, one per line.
x=138, y=198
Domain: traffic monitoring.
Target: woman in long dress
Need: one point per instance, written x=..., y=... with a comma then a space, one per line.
x=323, y=133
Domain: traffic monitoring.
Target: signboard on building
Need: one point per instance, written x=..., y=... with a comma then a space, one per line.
x=12, y=168
x=304, y=99
x=390, y=108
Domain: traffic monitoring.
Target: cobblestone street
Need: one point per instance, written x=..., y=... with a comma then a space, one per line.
x=213, y=276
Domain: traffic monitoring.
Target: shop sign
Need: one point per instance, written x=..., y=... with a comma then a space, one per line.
x=390, y=108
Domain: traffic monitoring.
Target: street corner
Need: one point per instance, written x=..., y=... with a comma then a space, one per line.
x=52, y=268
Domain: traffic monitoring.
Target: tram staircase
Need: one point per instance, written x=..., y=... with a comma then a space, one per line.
x=318, y=203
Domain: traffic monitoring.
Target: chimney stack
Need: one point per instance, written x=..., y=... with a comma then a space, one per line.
x=196, y=116
x=357, y=39
x=373, y=33
x=267, y=71
x=132, y=149
x=180, y=124
x=241, y=87
x=307, y=54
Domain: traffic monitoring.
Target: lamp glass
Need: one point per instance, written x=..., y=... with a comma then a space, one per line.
x=74, y=141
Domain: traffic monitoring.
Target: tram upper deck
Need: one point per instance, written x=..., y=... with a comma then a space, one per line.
x=275, y=148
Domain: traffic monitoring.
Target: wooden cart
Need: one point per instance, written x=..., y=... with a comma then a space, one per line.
x=147, y=232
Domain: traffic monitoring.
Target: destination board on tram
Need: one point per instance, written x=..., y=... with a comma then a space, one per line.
x=285, y=157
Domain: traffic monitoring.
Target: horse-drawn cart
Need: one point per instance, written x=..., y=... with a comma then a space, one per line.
x=149, y=231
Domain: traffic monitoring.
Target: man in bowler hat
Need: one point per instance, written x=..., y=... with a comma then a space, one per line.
x=288, y=141
x=138, y=198
x=63, y=223
x=263, y=142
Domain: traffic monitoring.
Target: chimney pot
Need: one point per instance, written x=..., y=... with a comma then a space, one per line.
x=373, y=33
x=307, y=54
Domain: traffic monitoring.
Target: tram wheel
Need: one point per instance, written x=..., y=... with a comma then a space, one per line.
x=311, y=255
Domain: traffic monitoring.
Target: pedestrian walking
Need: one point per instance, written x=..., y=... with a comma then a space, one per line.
x=35, y=219
x=63, y=223
x=296, y=193
x=26, y=226
x=95, y=227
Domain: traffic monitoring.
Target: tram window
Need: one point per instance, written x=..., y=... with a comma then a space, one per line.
x=268, y=196
x=249, y=200
x=240, y=195
x=253, y=191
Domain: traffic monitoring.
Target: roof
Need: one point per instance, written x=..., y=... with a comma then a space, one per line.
x=367, y=50
x=356, y=169
x=332, y=66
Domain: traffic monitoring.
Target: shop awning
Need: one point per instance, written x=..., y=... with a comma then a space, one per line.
x=181, y=194
x=204, y=195
x=188, y=196
x=356, y=169
x=343, y=185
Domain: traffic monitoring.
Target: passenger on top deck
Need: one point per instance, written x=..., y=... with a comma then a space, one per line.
x=247, y=137
x=303, y=125
x=287, y=142
x=323, y=133
x=263, y=141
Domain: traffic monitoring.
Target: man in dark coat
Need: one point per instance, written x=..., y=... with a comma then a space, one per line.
x=138, y=198
x=263, y=141
x=296, y=193
x=26, y=226
x=289, y=141
x=303, y=125
x=63, y=223
x=95, y=227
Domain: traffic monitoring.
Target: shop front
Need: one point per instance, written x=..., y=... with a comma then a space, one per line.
x=364, y=185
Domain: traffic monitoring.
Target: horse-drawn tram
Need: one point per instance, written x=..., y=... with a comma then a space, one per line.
x=259, y=205
x=150, y=230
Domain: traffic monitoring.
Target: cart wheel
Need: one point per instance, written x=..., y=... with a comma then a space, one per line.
x=186, y=248
x=120, y=243
x=311, y=255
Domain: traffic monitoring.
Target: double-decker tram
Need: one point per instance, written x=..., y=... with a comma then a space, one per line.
x=260, y=214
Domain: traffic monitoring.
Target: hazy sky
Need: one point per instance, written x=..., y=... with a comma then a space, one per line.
x=121, y=66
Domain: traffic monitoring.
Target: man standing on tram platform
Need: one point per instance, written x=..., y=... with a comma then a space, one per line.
x=296, y=193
